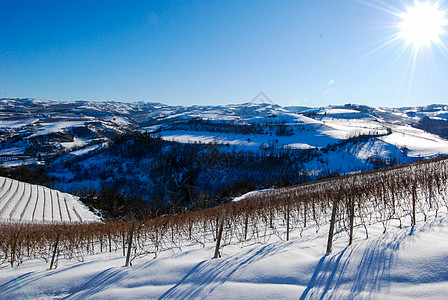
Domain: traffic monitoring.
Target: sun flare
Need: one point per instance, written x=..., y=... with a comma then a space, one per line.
x=422, y=24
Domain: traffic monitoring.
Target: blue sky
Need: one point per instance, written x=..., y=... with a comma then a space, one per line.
x=303, y=52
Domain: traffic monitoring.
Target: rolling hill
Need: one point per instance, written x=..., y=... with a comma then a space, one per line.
x=30, y=127
x=179, y=155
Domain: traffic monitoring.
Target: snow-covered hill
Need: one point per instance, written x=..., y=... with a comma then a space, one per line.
x=308, y=133
x=73, y=138
x=24, y=202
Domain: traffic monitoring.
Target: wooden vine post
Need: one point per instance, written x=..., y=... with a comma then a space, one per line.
x=333, y=219
x=13, y=250
x=131, y=234
x=287, y=219
x=352, y=218
x=304, y=214
x=414, y=199
x=124, y=240
x=246, y=224
x=55, y=250
x=110, y=241
x=218, y=239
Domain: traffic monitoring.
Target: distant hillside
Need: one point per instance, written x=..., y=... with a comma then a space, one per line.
x=23, y=202
x=36, y=130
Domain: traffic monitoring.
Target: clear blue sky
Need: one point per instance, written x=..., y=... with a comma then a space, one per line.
x=304, y=52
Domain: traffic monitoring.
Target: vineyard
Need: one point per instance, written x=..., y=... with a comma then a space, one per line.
x=28, y=203
x=403, y=194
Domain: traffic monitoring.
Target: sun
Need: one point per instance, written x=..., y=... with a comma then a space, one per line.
x=422, y=24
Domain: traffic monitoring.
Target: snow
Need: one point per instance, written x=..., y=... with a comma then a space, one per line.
x=402, y=263
x=120, y=121
x=283, y=118
x=150, y=129
x=249, y=194
x=24, y=202
x=343, y=129
x=12, y=151
x=87, y=149
x=407, y=263
x=56, y=126
x=77, y=142
x=314, y=128
x=304, y=140
x=375, y=148
x=418, y=142
x=16, y=123
x=308, y=134
x=17, y=163
x=339, y=111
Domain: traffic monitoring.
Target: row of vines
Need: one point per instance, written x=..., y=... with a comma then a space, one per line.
x=398, y=193
x=40, y=203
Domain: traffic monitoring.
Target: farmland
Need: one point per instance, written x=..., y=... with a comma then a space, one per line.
x=29, y=203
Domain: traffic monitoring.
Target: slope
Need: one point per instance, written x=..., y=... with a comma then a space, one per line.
x=407, y=263
x=24, y=202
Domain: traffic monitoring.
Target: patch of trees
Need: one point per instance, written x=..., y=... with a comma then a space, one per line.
x=29, y=174
x=198, y=124
x=177, y=175
x=435, y=126
x=355, y=139
x=267, y=127
x=113, y=205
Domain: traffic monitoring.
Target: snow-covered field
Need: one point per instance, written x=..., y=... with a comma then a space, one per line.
x=310, y=133
x=24, y=202
x=407, y=263
x=56, y=126
x=251, y=142
x=417, y=142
